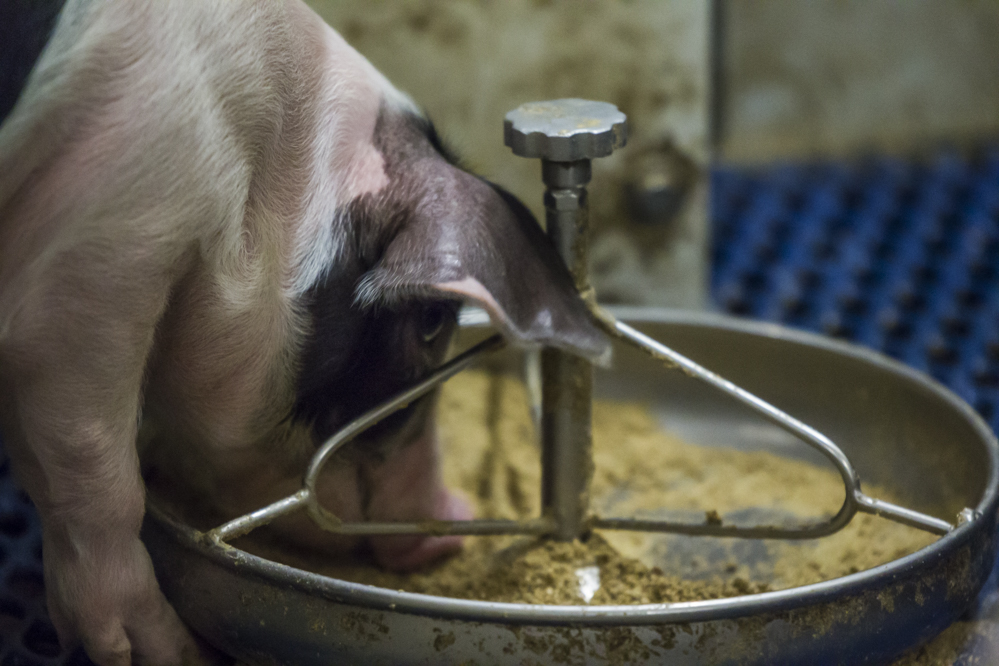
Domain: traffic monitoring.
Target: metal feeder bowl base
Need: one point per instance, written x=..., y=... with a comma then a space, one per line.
x=900, y=429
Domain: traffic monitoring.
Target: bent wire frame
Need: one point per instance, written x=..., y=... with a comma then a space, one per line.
x=855, y=500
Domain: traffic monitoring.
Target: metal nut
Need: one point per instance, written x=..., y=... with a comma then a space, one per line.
x=563, y=199
x=565, y=130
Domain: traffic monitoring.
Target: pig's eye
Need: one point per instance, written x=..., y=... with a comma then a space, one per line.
x=432, y=321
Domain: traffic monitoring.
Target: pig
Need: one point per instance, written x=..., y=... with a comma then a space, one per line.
x=223, y=235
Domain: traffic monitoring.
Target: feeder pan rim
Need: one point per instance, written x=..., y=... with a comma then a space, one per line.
x=381, y=599
x=376, y=598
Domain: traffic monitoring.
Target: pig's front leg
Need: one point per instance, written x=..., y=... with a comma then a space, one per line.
x=408, y=486
x=72, y=363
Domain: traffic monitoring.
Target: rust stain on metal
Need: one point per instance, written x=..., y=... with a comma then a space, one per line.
x=537, y=644
x=443, y=640
x=367, y=627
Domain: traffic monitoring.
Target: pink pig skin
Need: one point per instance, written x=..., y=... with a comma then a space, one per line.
x=223, y=234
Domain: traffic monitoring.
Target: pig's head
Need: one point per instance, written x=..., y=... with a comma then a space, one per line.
x=434, y=237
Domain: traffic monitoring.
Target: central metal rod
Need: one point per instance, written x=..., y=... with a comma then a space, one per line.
x=566, y=134
x=567, y=380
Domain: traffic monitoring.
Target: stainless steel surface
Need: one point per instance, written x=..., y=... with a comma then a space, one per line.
x=854, y=499
x=566, y=380
x=898, y=427
x=566, y=134
x=566, y=442
x=565, y=130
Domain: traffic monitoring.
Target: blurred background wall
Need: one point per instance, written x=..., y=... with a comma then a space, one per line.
x=468, y=62
x=745, y=81
x=841, y=77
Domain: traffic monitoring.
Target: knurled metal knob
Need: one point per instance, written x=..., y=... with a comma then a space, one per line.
x=565, y=130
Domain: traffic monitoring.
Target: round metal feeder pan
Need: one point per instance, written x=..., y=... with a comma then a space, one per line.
x=900, y=429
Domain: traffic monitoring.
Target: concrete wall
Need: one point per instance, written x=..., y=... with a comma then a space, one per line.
x=468, y=62
x=834, y=77
x=799, y=79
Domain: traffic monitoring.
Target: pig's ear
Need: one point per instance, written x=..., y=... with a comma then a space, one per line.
x=474, y=241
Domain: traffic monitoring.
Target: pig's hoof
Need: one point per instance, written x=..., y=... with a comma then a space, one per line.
x=410, y=553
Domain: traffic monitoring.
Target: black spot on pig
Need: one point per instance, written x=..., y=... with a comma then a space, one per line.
x=426, y=127
x=25, y=28
x=436, y=235
x=357, y=357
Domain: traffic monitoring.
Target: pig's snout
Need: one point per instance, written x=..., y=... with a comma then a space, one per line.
x=410, y=553
x=407, y=486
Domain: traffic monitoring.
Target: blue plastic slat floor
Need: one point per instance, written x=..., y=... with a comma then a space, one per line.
x=896, y=255
x=899, y=256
